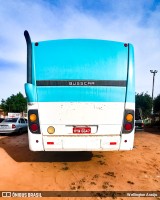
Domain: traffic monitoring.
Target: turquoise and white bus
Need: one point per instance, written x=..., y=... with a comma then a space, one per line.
x=81, y=95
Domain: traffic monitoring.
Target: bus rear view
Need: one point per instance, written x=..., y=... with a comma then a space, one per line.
x=81, y=95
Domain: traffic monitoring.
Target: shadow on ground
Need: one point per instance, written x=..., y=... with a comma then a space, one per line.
x=154, y=130
x=18, y=149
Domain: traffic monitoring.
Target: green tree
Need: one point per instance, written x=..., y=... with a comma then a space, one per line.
x=156, y=104
x=3, y=105
x=144, y=101
x=14, y=103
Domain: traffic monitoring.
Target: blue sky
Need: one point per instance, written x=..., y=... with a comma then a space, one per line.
x=136, y=22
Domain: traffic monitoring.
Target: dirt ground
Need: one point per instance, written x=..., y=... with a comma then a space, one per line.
x=136, y=170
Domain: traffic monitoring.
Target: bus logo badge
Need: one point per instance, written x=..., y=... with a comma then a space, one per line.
x=81, y=83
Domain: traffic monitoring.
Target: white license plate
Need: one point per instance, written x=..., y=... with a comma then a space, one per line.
x=82, y=130
x=3, y=127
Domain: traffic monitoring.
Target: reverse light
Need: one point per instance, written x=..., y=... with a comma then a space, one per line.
x=33, y=117
x=50, y=129
x=34, y=127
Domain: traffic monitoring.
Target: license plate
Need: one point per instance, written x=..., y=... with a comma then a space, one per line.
x=82, y=130
x=3, y=127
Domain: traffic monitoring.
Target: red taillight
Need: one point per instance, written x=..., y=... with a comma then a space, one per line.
x=128, y=126
x=13, y=126
x=34, y=127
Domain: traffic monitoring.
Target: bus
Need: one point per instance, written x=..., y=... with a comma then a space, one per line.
x=81, y=95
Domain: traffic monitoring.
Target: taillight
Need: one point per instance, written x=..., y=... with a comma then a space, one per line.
x=128, y=122
x=13, y=126
x=128, y=126
x=33, y=121
x=34, y=127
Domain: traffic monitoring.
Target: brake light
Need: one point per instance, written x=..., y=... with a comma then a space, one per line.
x=13, y=126
x=128, y=126
x=34, y=127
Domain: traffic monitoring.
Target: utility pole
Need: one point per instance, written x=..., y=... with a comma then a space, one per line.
x=154, y=73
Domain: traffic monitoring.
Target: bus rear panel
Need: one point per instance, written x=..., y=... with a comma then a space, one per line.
x=81, y=95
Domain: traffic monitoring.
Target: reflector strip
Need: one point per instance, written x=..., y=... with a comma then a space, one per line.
x=113, y=143
x=50, y=142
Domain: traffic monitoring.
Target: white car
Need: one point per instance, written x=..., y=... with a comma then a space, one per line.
x=11, y=125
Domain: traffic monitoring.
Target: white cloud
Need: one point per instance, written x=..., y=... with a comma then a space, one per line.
x=130, y=22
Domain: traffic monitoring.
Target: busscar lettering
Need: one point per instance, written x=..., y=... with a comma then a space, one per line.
x=81, y=83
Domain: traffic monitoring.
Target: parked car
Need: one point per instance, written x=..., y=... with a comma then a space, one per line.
x=1, y=119
x=139, y=124
x=11, y=125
